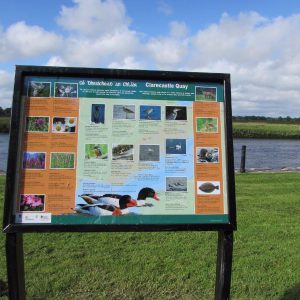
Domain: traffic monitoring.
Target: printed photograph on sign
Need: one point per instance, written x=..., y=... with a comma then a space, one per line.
x=66, y=90
x=39, y=89
x=204, y=93
x=149, y=153
x=208, y=188
x=176, y=113
x=124, y=112
x=37, y=124
x=34, y=160
x=98, y=114
x=64, y=124
x=32, y=202
x=176, y=184
x=207, y=125
x=62, y=160
x=96, y=151
x=122, y=152
x=175, y=146
x=150, y=112
x=207, y=154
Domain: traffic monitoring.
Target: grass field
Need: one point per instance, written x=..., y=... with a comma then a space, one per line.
x=265, y=130
x=175, y=265
x=4, y=124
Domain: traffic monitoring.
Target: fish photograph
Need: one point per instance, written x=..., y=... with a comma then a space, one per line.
x=98, y=114
x=175, y=146
x=149, y=153
x=176, y=184
x=205, y=93
x=124, y=112
x=66, y=90
x=206, y=125
x=122, y=152
x=208, y=188
x=150, y=112
x=96, y=151
x=39, y=89
x=178, y=113
x=207, y=154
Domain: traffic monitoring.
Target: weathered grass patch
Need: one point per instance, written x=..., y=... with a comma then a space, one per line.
x=175, y=265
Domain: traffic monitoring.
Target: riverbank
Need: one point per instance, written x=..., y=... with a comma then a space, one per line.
x=251, y=129
x=264, y=130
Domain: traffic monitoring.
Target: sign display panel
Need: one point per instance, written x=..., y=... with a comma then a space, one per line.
x=105, y=150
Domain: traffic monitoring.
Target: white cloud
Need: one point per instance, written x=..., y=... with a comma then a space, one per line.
x=6, y=89
x=94, y=17
x=178, y=29
x=164, y=7
x=261, y=54
x=21, y=40
x=128, y=62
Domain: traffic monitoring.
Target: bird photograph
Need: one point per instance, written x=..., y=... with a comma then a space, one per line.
x=123, y=112
x=176, y=184
x=115, y=204
x=175, y=146
x=149, y=153
x=176, y=113
x=96, y=151
x=122, y=152
x=150, y=112
x=98, y=114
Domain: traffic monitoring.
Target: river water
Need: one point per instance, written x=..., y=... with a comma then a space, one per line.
x=260, y=153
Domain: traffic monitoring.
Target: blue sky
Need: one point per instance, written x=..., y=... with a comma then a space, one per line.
x=255, y=41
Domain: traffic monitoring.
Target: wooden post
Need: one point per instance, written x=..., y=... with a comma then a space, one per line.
x=15, y=266
x=224, y=263
x=243, y=159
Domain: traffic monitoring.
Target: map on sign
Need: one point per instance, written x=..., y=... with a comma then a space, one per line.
x=116, y=151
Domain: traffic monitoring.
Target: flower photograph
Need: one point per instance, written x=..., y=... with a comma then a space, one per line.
x=64, y=124
x=39, y=89
x=37, y=124
x=62, y=160
x=34, y=160
x=32, y=202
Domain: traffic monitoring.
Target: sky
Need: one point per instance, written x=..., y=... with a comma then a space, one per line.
x=256, y=41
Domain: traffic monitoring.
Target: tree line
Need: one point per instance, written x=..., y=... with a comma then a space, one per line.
x=279, y=120
x=5, y=112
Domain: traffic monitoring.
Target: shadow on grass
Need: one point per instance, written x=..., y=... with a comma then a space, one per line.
x=292, y=293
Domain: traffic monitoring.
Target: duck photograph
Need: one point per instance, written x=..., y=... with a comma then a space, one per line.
x=177, y=113
x=115, y=204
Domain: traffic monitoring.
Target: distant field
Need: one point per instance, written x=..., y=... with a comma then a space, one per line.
x=4, y=124
x=265, y=130
x=175, y=265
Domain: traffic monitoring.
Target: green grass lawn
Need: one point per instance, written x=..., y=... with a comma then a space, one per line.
x=265, y=130
x=175, y=265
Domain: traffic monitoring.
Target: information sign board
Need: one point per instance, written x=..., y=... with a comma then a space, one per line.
x=106, y=149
